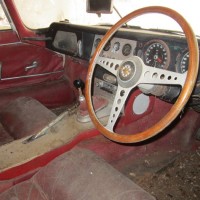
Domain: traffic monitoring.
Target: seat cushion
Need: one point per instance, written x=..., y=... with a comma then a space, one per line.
x=4, y=136
x=77, y=174
x=25, y=116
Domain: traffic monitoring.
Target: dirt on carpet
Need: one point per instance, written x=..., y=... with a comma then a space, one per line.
x=179, y=180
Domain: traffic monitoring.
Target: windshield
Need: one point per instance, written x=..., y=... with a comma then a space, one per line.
x=41, y=13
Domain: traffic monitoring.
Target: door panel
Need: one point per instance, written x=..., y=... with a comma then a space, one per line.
x=25, y=64
x=45, y=82
x=27, y=68
x=20, y=76
x=51, y=94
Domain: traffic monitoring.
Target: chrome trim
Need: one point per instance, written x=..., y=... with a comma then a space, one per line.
x=11, y=43
x=12, y=25
x=30, y=76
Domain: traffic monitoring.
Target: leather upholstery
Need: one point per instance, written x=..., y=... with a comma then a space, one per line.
x=77, y=175
x=25, y=116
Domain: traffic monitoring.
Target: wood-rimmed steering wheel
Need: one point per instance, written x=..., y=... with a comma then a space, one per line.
x=132, y=72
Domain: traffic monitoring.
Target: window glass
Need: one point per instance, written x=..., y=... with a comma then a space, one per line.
x=37, y=14
x=4, y=24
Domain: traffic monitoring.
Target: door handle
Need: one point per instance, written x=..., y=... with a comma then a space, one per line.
x=34, y=65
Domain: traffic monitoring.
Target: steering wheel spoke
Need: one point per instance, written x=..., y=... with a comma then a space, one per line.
x=109, y=64
x=118, y=104
x=158, y=76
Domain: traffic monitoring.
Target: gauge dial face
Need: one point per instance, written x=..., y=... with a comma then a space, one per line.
x=97, y=41
x=126, y=49
x=183, y=67
x=157, y=54
x=116, y=46
x=107, y=46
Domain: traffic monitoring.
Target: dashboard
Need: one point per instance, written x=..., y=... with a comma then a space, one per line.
x=155, y=53
x=157, y=49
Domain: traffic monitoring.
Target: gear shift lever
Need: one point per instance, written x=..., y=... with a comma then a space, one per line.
x=79, y=85
x=98, y=102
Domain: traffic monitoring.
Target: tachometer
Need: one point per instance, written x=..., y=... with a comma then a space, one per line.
x=156, y=54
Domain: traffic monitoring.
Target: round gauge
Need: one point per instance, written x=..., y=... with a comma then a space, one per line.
x=126, y=49
x=116, y=46
x=157, y=54
x=107, y=46
x=183, y=63
x=96, y=42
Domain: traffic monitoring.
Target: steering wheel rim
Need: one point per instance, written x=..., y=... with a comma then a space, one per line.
x=186, y=90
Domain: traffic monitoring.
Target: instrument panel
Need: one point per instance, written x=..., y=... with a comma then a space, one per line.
x=169, y=55
x=160, y=50
x=117, y=48
x=155, y=53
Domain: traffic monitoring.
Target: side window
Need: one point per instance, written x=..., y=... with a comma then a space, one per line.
x=4, y=23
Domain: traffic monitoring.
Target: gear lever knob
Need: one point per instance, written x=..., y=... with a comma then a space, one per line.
x=79, y=85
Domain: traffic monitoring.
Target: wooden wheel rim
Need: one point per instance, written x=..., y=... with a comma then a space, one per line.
x=186, y=90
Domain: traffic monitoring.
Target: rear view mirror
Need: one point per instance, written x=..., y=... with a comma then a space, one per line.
x=99, y=6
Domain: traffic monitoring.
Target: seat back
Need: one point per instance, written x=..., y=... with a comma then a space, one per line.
x=77, y=174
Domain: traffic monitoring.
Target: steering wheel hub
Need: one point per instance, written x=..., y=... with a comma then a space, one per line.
x=129, y=72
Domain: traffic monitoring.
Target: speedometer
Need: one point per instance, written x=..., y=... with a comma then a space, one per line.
x=157, y=54
x=182, y=62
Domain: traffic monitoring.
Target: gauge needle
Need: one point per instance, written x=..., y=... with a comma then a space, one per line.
x=148, y=61
x=159, y=60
